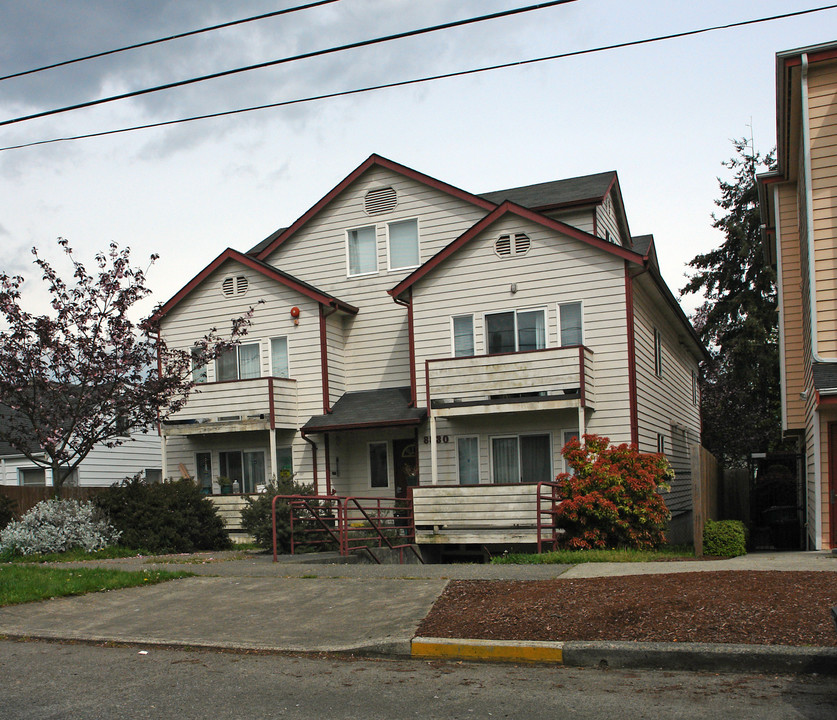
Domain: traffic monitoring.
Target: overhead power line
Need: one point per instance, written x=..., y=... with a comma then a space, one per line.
x=430, y=78
x=147, y=43
x=293, y=58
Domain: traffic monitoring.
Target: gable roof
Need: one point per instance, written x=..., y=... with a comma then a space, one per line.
x=571, y=191
x=273, y=241
x=368, y=409
x=269, y=271
x=509, y=208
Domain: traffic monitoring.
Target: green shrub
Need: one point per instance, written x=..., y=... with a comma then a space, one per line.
x=611, y=499
x=8, y=510
x=257, y=516
x=724, y=538
x=171, y=517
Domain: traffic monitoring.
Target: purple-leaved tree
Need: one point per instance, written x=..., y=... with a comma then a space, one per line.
x=84, y=373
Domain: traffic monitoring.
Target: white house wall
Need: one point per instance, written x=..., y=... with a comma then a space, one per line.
x=376, y=350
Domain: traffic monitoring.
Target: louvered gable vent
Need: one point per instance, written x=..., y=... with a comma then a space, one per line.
x=508, y=245
x=234, y=286
x=382, y=200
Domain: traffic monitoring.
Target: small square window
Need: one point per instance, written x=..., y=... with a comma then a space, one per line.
x=362, y=250
x=403, y=244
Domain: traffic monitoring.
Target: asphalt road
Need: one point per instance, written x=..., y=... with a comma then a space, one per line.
x=51, y=680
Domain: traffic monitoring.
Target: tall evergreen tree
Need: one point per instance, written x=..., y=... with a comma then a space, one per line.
x=740, y=393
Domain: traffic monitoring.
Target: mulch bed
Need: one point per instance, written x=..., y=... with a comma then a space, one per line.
x=751, y=607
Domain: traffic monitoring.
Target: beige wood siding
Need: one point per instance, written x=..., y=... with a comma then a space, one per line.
x=376, y=340
x=581, y=219
x=607, y=224
x=792, y=307
x=557, y=269
x=664, y=403
x=822, y=108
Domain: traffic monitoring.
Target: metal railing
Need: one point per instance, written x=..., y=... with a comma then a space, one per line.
x=349, y=524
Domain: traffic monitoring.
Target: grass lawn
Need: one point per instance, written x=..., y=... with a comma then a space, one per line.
x=25, y=583
x=574, y=557
x=76, y=555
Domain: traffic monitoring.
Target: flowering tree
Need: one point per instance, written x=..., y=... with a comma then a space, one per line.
x=86, y=373
x=611, y=497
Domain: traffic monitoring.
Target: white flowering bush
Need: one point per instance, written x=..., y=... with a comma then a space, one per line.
x=54, y=526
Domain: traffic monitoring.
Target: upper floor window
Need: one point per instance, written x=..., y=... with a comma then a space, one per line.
x=569, y=318
x=198, y=366
x=403, y=244
x=279, y=357
x=362, y=250
x=463, y=335
x=515, y=331
x=240, y=362
x=658, y=353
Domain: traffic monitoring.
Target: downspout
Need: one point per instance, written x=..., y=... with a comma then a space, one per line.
x=324, y=358
x=812, y=290
x=314, y=460
x=411, y=343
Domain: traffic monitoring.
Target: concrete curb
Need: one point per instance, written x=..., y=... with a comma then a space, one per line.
x=636, y=655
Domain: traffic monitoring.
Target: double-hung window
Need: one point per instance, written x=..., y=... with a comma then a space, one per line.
x=240, y=362
x=463, y=335
x=515, y=331
x=403, y=244
x=468, y=460
x=521, y=458
x=198, y=366
x=569, y=318
x=362, y=250
x=279, y=357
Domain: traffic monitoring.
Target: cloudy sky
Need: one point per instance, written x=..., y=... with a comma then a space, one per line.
x=661, y=114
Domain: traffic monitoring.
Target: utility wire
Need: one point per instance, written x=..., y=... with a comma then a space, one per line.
x=147, y=43
x=402, y=83
x=281, y=61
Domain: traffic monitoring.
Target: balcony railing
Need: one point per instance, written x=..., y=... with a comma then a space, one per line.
x=233, y=405
x=554, y=377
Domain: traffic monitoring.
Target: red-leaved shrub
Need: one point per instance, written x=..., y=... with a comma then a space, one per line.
x=611, y=498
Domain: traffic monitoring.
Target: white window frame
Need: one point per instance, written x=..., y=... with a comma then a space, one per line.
x=542, y=308
x=661, y=443
x=517, y=436
x=453, y=335
x=243, y=451
x=558, y=311
x=369, y=445
x=238, y=377
x=287, y=353
x=349, y=272
x=390, y=266
x=200, y=372
x=658, y=353
x=479, y=455
x=566, y=436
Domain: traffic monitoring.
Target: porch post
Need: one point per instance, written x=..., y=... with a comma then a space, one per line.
x=274, y=471
x=164, y=456
x=434, y=472
x=582, y=422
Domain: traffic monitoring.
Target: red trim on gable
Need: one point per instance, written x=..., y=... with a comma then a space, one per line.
x=247, y=261
x=812, y=57
x=372, y=160
x=505, y=209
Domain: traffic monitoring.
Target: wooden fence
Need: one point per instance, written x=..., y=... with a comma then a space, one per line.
x=705, y=480
x=28, y=496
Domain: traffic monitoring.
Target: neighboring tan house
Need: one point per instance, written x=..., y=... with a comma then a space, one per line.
x=412, y=333
x=799, y=210
x=103, y=466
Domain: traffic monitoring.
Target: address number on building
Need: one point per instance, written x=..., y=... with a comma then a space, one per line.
x=440, y=439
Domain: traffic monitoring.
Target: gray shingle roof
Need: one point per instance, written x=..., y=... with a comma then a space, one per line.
x=558, y=192
x=368, y=408
x=825, y=377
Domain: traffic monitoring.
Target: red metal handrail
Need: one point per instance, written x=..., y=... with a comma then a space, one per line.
x=551, y=511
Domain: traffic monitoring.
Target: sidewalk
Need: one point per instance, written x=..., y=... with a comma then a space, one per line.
x=246, y=602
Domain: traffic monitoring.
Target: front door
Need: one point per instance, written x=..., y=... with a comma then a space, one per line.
x=405, y=461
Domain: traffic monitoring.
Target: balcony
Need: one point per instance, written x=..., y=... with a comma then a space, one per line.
x=235, y=406
x=550, y=379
